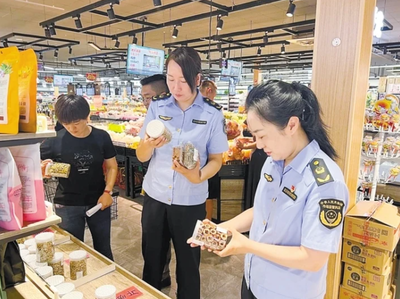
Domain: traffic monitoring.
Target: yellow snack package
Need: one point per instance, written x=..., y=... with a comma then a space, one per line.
x=27, y=91
x=9, y=104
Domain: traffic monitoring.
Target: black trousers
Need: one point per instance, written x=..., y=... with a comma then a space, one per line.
x=160, y=223
x=246, y=293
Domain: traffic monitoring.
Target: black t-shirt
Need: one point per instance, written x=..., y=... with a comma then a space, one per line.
x=86, y=156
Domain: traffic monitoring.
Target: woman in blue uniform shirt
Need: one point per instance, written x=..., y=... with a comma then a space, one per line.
x=297, y=218
x=175, y=196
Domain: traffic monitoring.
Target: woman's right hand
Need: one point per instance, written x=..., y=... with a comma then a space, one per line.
x=155, y=142
x=43, y=165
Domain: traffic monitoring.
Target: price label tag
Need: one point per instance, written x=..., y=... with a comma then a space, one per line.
x=130, y=293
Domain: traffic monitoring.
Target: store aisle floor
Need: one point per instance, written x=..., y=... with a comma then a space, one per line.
x=220, y=277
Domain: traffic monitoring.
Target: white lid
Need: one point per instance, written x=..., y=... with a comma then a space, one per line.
x=155, y=128
x=105, y=291
x=33, y=265
x=65, y=288
x=41, y=264
x=29, y=242
x=32, y=249
x=55, y=280
x=45, y=271
x=23, y=252
x=44, y=237
x=30, y=258
x=77, y=255
x=21, y=246
x=73, y=295
x=58, y=257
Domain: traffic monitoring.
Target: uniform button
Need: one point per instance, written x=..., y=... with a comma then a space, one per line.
x=169, y=199
x=178, y=130
x=170, y=187
x=264, y=222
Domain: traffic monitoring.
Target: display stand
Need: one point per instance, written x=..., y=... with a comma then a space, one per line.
x=29, y=228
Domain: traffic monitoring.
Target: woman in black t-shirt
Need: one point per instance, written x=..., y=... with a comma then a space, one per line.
x=86, y=149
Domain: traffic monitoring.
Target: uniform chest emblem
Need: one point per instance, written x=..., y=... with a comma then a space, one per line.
x=290, y=192
x=320, y=172
x=199, y=122
x=331, y=212
x=166, y=118
x=268, y=177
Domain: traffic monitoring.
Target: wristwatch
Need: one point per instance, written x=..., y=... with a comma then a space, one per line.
x=107, y=191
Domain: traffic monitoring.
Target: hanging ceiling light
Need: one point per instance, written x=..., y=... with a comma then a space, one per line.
x=5, y=43
x=69, y=50
x=47, y=32
x=56, y=53
x=75, y=63
x=219, y=46
x=78, y=23
x=134, y=39
x=220, y=23
x=384, y=51
x=208, y=56
x=104, y=60
x=259, y=51
x=157, y=3
x=91, y=60
x=94, y=46
x=224, y=54
x=283, y=49
x=291, y=9
x=265, y=38
x=117, y=43
x=40, y=56
x=175, y=32
x=110, y=12
x=52, y=29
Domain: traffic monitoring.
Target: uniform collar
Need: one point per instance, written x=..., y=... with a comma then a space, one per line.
x=198, y=101
x=300, y=162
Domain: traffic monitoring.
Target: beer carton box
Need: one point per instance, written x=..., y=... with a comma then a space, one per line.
x=346, y=294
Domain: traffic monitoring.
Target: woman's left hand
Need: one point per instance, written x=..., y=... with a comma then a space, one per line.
x=105, y=200
x=237, y=245
x=193, y=175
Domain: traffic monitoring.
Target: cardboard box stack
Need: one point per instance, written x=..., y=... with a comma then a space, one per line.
x=371, y=233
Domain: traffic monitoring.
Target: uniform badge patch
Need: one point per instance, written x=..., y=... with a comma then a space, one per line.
x=331, y=212
x=224, y=125
x=290, y=192
x=199, y=122
x=268, y=177
x=166, y=118
x=161, y=97
x=320, y=172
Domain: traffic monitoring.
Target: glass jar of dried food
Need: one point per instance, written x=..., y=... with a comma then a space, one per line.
x=156, y=128
x=77, y=264
x=57, y=263
x=44, y=247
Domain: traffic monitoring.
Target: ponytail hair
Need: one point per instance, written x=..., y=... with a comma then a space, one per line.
x=277, y=101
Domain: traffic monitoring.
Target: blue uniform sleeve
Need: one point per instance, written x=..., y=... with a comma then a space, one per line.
x=151, y=114
x=218, y=142
x=323, y=217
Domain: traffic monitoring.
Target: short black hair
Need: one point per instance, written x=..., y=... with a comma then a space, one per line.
x=71, y=108
x=157, y=82
x=189, y=61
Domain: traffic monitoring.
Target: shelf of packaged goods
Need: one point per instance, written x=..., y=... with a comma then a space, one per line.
x=7, y=140
x=28, y=229
x=382, y=158
x=377, y=131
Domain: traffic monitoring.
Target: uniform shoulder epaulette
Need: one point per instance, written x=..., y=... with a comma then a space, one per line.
x=320, y=171
x=212, y=103
x=161, y=97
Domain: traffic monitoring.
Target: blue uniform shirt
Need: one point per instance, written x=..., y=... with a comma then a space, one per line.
x=203, y=125
x=300, y=204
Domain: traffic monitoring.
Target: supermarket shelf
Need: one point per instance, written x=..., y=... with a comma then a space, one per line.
x=377, y=131
x=383, y=158
x=24, y=138
x=29, y=229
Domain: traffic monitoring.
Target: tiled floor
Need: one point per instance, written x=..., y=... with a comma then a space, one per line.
x=220, y=277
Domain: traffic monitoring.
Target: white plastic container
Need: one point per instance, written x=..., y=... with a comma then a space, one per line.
x=45, y=247
x=73, y=295
x=55, y=280
x=57, y=263
x=41, y=264
x=44, y=272
x=29, y=243
x=32, y=249
x=21, y=246
x=77, y=264
x=156, y=128
x=30, y=258
x=23, y=252
x=106, y=292
x=65, y=288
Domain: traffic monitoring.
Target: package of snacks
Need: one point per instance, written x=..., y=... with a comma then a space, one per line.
x=27, y=91
x=9, y=103
x=186, y=154
x=27, y=158
x=60, y=170
x=11, y=215
x=210, y=235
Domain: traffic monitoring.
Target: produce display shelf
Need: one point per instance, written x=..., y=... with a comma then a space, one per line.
x=7, y=140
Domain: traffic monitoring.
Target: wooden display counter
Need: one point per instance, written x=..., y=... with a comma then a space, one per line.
x=25, y=290
x=100, y=271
